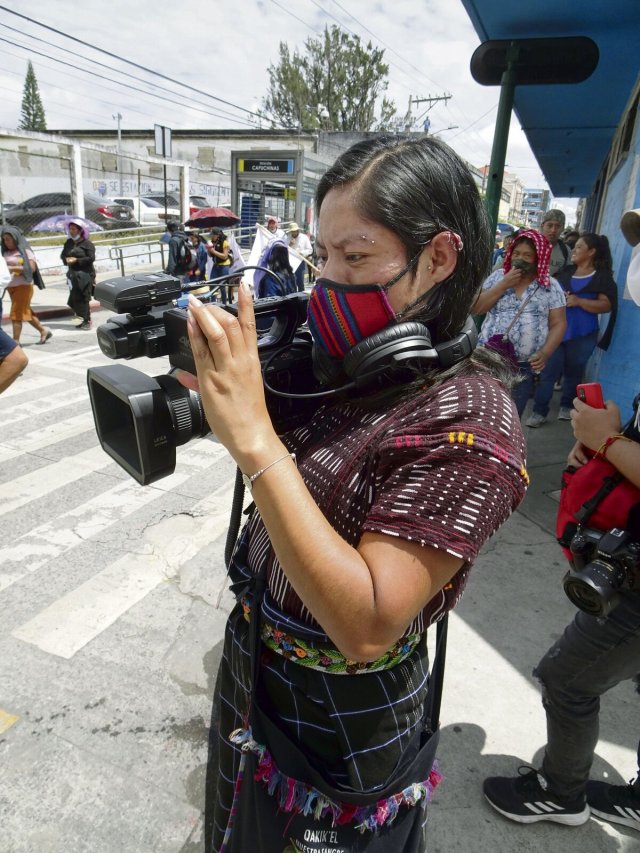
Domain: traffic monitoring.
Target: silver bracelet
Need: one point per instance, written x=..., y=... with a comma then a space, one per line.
x=249, y=480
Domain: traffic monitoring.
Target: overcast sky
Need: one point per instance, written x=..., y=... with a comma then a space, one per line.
x=224, y=48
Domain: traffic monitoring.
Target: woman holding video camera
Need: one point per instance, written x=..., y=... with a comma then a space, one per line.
x=367, y=520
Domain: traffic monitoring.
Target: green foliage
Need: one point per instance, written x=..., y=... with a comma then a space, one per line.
x=32, y=112
x=335, y=72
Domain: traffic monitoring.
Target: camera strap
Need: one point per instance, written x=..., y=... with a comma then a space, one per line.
x=587, y=509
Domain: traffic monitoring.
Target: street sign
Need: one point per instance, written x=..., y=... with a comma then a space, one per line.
x=539, y=61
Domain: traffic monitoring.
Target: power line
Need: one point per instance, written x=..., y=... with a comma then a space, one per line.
x=128, y=61
x=118, y=83
x=223, y=114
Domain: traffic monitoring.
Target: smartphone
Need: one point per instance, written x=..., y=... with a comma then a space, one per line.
x=591, y=394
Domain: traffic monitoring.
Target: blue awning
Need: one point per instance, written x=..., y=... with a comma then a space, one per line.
x=570, y=128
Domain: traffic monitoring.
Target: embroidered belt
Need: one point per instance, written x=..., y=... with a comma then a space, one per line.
x=329, y=659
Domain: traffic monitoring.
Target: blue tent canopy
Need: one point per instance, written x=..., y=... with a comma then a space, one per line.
x=570, y=128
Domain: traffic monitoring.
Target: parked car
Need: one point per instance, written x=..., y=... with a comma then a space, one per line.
x=103, y=211
x=196, y=202
x=147, y=211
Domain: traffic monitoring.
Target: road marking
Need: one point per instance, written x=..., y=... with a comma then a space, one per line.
x=39, y=439
x=67, y=625
x=25, y=384
x=50, y=541
x=7, y=720
x=48, y=478
x=42, y=406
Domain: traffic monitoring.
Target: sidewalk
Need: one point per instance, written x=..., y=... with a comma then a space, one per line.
x=51, y=303
x=492, y=722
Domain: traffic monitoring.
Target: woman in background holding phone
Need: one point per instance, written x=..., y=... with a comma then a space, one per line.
x=590, y=291
x=523, y=302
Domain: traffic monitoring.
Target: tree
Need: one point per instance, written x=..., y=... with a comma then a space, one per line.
x=32, y=117
x=335, y=74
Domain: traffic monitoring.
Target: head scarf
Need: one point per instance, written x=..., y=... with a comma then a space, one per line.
x=22, y=247
x=543, y=255
x=84, y=231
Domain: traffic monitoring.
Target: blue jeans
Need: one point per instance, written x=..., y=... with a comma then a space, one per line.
x=568, y=361
x=591, y=657
x=299, y=274
x=216, y=272
x=523, y=389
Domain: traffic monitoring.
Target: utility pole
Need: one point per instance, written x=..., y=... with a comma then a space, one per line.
x=118, y=118
x=430, y=99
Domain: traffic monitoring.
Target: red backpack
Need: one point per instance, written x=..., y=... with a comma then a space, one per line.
x=596, y=495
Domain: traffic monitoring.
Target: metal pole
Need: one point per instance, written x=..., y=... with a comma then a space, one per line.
x=118, y=118
x=501, y=138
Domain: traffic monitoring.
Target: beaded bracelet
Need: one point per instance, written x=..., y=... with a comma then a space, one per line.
x=606, y=444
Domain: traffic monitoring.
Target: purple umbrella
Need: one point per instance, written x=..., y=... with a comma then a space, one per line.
x=61, y=221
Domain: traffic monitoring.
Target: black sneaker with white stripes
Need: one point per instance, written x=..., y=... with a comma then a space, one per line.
x=526, y=799
x=616, y=803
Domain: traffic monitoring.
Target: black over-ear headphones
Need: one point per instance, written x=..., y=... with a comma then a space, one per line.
x=393, y=352
x=407, y=345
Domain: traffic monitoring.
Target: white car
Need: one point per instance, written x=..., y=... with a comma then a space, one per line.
x=147, y=210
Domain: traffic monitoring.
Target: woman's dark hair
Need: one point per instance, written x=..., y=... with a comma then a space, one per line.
x=279, y=259
x=602, y=259
x=418, y=188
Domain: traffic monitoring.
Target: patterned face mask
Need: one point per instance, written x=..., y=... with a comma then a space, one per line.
x=342, y=315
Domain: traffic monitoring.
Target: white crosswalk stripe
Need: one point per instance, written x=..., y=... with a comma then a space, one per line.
x=156, y=530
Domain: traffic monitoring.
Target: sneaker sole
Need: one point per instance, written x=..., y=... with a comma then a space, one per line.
x=575, y=819
x=634, y=823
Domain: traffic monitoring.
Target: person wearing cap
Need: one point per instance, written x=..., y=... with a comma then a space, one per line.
x=78, y=255
x=299, y=243
x=551, y=227
x=273, y=227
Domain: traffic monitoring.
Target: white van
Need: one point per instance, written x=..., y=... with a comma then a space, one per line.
x=147, y=210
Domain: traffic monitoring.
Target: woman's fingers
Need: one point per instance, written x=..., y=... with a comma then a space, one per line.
x=247, y=318
x=188, y=380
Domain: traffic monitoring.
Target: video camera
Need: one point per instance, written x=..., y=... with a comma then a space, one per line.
x=140, y=420
x=605, y=564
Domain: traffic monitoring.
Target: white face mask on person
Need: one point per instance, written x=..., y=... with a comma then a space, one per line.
x=633, y=275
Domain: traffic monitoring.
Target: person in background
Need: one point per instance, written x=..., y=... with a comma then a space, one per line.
x=78, y=255
x=199, y=246
x=177, y=236
x=12, y=360
x=395, y=489
x=273, y=227
x=590, y=291
x=552, y=224
x=570, y=237
x=300, y=243
x=277, y=261
x=498, y=255
x=21, y=263
x=523, y=300
x=219, y=252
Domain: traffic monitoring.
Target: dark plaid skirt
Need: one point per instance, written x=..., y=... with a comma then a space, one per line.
x=358, y=733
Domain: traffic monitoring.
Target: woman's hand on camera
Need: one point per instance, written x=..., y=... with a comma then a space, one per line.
x=593, y=426
x=229, y=378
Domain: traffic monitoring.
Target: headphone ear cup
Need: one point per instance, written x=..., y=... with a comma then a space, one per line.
x=365, y=351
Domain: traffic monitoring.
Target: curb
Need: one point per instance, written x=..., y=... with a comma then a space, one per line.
x=55, y=312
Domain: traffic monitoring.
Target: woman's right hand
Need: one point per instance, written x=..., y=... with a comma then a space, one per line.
x=511, y=278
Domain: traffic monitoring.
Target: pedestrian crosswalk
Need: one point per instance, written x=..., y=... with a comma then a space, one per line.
x=135, y=538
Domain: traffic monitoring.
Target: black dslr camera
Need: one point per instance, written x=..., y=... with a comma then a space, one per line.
x=604, y=566
x=140, y=420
